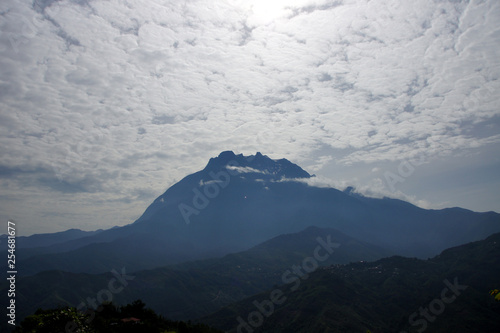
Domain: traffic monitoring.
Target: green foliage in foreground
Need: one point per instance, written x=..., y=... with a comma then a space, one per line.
x=495, y=293
x=131, y=318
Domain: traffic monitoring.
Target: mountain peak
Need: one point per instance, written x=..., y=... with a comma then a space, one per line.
x=228, y=154
x=257, y=163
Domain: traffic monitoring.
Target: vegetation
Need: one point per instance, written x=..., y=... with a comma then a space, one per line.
x=378, y=296
x=388, y=295
x=193, y=289
x=131, y=318
x=495, y=293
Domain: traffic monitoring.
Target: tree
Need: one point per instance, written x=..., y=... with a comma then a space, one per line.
x=109, y=319
x=55, y=321
x=496, y=294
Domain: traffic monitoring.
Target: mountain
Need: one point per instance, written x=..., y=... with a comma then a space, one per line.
x=49, y=239
x=448, y=293
x=237, y=202
x=345, y=294
x=194, y=289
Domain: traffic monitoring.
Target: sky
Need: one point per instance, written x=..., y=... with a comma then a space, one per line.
x=106, y=104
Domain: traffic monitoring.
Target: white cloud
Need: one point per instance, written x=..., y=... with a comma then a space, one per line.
x=106, y=98
x=239, y=169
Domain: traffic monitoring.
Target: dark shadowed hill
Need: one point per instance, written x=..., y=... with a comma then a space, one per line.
x=448, y=293
x=194, y=289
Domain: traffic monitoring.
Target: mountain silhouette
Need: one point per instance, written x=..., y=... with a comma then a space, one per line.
x=237, y=202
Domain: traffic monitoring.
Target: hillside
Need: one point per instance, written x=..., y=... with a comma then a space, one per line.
x=194, y=289
x=388, y=295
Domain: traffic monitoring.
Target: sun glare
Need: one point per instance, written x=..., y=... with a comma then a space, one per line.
x=268, y=10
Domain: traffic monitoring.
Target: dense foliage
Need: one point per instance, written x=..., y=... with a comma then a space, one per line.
x=387, y=295
x=108, y=318
x=448, y=293
x=192, y=289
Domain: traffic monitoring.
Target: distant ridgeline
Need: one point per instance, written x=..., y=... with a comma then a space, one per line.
x=317, y=280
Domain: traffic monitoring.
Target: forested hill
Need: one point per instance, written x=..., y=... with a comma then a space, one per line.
x=449, y=293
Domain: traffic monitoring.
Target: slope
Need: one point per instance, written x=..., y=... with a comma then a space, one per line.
x=448, y=293
x=193, y=289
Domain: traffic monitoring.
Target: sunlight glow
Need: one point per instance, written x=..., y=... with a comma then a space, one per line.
x=267, y=11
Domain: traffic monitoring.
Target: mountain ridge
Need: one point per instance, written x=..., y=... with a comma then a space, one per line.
x=239, y=201
x=232, y=277
x=350, y=295
x=447, y=293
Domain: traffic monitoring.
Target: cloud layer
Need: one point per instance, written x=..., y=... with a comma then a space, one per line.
x=106, y=103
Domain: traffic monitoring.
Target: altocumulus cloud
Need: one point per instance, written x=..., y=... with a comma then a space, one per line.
x=106, y=103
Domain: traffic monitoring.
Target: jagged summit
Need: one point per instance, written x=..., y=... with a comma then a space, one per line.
x=239, y=201
x=225, y=158
x=257, y=163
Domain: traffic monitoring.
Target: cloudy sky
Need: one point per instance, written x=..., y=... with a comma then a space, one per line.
x=105, y=104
